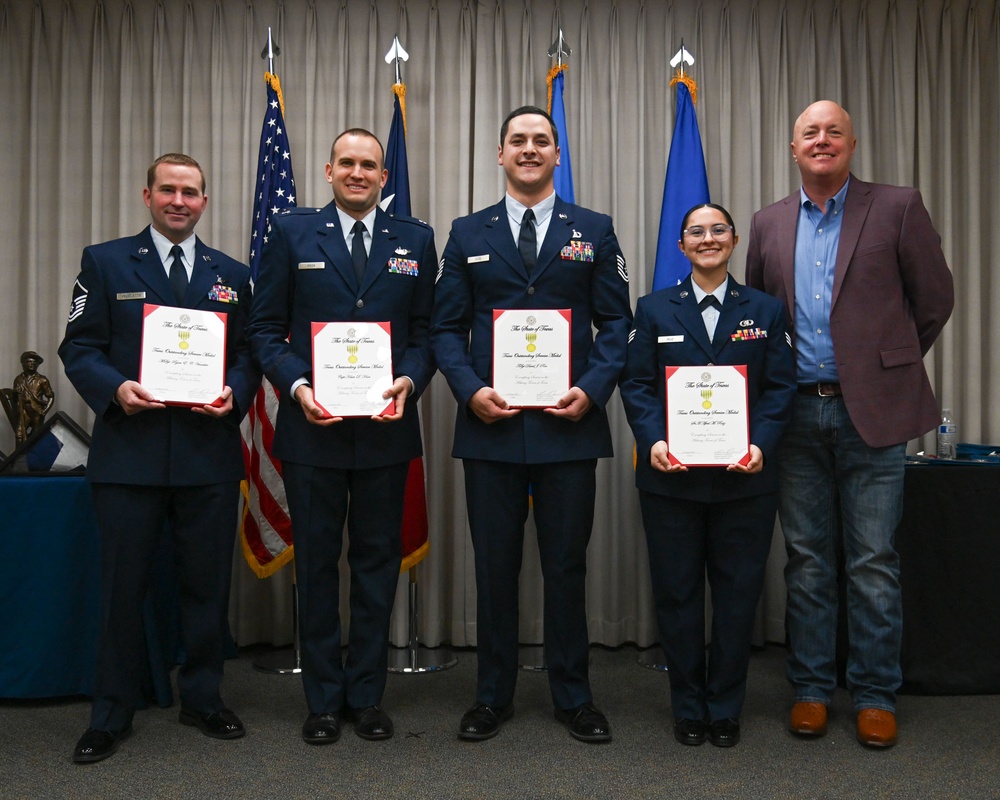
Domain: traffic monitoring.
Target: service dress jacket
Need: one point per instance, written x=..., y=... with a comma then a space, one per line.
x=101, y=350
x=669, y=331
x=580, y=267
x=306, y=275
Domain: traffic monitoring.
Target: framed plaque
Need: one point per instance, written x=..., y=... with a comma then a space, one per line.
x=708, y=419
x=183, y=355
x=531, y=356
x=352, y=367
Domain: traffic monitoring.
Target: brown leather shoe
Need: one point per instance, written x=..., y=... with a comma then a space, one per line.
x=876, y=728
x=808, y=719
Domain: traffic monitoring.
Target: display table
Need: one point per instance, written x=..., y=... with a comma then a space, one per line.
x=949, y=548
x=50, y=593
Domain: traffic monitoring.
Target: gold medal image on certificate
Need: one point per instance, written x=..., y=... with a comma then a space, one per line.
x=708, y=420
x=183, y=354
x=531, y=356
x=352, y=367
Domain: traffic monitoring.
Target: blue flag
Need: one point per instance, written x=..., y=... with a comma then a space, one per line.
x=564, y=172
x=686, y=186
x=396, y=192
x=396, y=201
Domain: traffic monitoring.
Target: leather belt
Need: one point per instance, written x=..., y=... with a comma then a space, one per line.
x=820, y=389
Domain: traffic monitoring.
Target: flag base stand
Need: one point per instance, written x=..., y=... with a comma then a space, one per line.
x=287, y=661
x=531, y=658
x=280, y=662
x=415, y=658
x=653, y=658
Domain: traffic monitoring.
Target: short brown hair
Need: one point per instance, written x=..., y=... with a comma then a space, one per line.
x=174, y=158
x=358, y=132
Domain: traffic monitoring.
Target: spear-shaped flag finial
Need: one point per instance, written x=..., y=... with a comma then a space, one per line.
x=396, y=54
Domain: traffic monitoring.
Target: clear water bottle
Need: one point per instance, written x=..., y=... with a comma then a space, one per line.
x=947, y=435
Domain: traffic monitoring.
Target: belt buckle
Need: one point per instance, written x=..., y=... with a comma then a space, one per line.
x=829, y=391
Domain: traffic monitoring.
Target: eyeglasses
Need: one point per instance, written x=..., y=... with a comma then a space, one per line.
x=720, y=232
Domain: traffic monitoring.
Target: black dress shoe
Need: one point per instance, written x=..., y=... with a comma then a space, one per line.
x=483, y=721
x=689, y=731
x=321, y=729
x=724, y=732
x=98, y=745
x=222, y=724
x=372, y=723
x=585, y=723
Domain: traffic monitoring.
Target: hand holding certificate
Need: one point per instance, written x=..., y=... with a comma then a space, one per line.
x=183, y=355
x=531, y=356
x=352, y=368
x=708, y=421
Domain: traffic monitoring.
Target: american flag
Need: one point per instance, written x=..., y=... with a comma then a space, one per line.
x=266, y=532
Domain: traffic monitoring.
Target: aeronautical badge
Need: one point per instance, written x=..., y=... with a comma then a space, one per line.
x=404, y=266
x=76, y=306
x=402, y=251
x=577, y=251
x=223, y=294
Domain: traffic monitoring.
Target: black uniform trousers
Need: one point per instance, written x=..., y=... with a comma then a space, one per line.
x=370, y=501
x=201, y=521
x=730, y=540
x=562, y=497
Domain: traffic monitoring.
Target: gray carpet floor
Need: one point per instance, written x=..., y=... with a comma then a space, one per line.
x=948, y=746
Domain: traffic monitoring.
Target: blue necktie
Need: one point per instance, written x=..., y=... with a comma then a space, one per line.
x=178, y=275
x=526, y=243
x=358, y=253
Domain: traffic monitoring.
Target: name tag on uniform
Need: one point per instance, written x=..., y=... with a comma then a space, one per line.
x=312, y=265
x=478, y=259
x=130, y=296
x=669, y=339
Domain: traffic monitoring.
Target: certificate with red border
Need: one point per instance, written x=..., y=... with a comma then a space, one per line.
x=532, y=355
x=708, y=419
x=352, y=367
x=182, y=359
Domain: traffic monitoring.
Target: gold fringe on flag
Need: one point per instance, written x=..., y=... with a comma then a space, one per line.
x=556, y=69
x=680, y=77
x=399, y=89
x=272, y=80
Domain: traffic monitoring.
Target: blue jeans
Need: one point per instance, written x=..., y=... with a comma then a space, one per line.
x=838, y=497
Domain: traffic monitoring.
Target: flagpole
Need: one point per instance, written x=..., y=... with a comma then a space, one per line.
x=414, y=658
x=283, y=661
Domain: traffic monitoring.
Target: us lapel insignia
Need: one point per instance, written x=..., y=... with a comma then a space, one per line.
x=143, y=251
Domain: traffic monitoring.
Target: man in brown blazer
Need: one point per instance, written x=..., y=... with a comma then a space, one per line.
x=866, y=291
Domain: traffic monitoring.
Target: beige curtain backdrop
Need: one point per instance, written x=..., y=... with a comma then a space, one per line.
x=95, y=89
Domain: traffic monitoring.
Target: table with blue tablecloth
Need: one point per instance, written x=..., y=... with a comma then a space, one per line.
x=50, y=592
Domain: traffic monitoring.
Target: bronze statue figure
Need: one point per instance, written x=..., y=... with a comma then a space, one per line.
x=29, y=400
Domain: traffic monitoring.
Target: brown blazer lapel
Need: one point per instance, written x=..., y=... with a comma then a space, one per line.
x=857, y=204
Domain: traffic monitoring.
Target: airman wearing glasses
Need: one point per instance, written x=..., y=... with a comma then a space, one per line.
x=719, y=518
